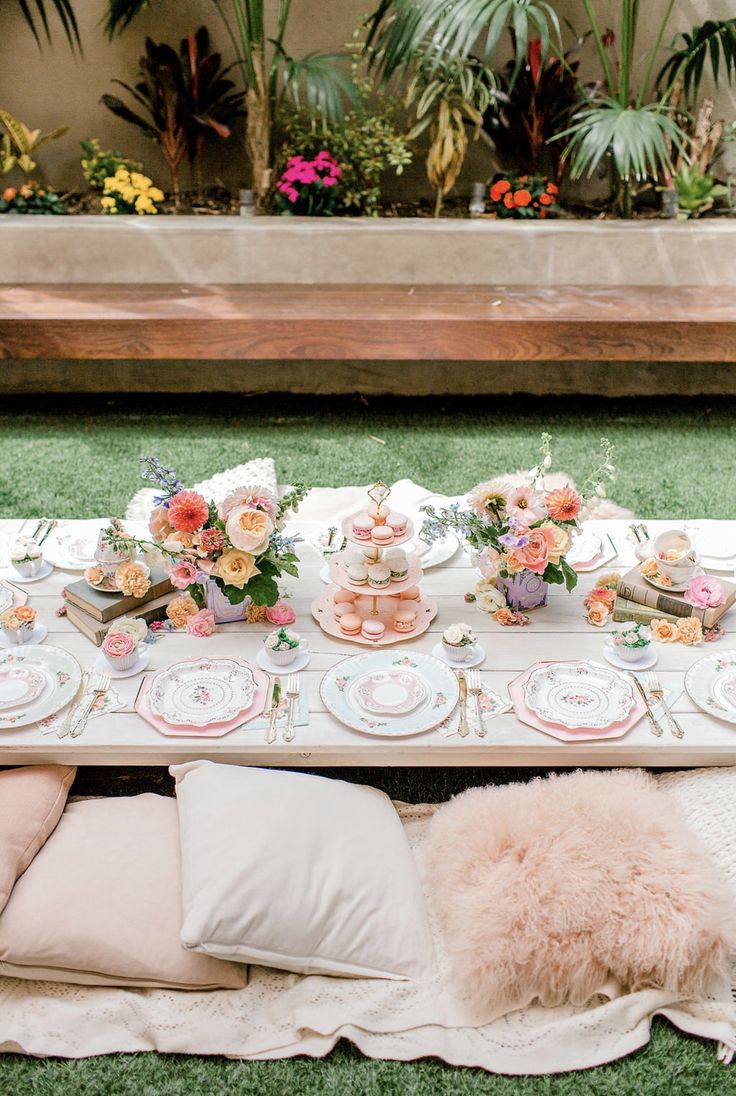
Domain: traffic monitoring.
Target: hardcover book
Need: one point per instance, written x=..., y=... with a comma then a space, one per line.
x=96, y=631
x=104, y=607
x=633, y=587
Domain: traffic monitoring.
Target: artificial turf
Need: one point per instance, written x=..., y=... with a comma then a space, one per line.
x=77, y=457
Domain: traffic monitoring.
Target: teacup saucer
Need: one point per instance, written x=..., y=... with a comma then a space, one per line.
x=647, y=660
x=38, y=635
x=676, y=587
x=476, y=655
x=45, y=570
x=299, y=663
x=144, y=657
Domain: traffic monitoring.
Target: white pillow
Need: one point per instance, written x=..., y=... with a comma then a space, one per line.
x=298, y=872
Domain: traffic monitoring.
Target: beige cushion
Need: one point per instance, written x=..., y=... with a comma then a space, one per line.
x=298, y=872
x=31, y=802
x=101, y=903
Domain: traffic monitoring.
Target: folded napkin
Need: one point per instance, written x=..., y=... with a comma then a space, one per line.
x=491, y=705
x=302, y=711
x=108, y=702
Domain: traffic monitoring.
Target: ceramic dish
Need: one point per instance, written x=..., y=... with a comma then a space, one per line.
x=323, y=611
x=390, y=692
x=300, y=662
x=144, y=657
x=201, y=691
x=585, y=547
x=339, y=575
x=44, y=572
x=214, y=730
x=675, y=587
x=563, y=734
x=645, y=662
x=38, y=635
x=19, y=685
x=347, y=531
x=711, y=683
x=578, y=695
x=476, y=655
x=61, y=678
x=339, y=692
x=7, y=597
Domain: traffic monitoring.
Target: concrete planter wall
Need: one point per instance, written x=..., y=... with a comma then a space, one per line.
x=222, y=250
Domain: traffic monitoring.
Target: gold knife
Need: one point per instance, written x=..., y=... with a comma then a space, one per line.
x=462, y=729
x=273, y=715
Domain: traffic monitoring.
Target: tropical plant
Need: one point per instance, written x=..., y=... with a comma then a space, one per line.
x=271, y=75
x=20, y=144
x=697, y=190
x=31, y=198
x=713, y=40
x=185, y=96
x=64, y=11
x=99, y=163
x=447, y=94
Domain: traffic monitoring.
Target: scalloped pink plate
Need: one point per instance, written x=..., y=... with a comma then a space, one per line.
x=19, y=685
x=213, y=730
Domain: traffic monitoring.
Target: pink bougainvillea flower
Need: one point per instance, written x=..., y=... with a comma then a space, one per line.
x=188, y=511
x=525, y=505
x=183, y=574
x=704, y=592
x=563, y=504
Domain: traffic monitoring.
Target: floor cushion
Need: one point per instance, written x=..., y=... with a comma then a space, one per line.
x=546, y=890
x=31, y=802
x=101, y=903
x=298, y=872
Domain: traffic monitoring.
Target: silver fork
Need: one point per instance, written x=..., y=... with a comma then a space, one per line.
x=476, y=690
x=99, y=689
x=653, y=684
x=292, y=695
x=653, y=723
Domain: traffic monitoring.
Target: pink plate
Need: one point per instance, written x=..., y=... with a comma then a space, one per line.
x=583, y=734
x=214, y=730
x=390, y=692
x=19, y=685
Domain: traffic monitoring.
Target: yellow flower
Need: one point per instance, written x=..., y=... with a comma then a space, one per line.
x=143, y=204
x=139, y=180
x=598, y=614
x=611, y=578
x=110, y=182
x=180, y=609
x=236, y=568
x=664, y=631
x=562, y=541
x=156, y=194
x=690, y=631
x=108, y=202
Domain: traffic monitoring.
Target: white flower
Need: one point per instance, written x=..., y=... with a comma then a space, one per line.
x=489, y=599
x=454, y=635
x=136, y=628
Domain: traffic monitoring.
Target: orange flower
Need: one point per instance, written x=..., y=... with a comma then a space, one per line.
x=522, y=197
x=649, y=567
x=563, y=504
x=664, y=631
x=523, y=178
x=25, y=614
x=9, y=193
x=180, y=609
x=508, y=201
x=598, y=614
x=690, y=631
x=603, y=595
x=505, y=616
x=499, y=189
x=552, y=189
x=132, y=579
x=545, y=199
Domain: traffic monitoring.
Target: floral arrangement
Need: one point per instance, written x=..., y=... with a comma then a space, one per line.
x=31, y=198
x=600, y=601
x=632, y=635
x=131, y=577
x=25, y=550
x=99, y=164
x=516, y=530
x=18, y=617
x=524, y=196
x=307, y=187
x=130, y=192
x=239, y=545
x=282, y=640
x=459, y=635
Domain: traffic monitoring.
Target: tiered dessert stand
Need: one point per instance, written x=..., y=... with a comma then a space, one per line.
x=371, y=603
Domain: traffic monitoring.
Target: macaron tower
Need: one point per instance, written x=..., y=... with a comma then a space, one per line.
x=375, y=598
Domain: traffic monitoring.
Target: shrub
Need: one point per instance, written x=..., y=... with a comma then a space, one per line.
x=99, y=164
x=130, y=192
x=31, y=198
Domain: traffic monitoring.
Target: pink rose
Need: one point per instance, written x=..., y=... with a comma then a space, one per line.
x=119, y=644
x=535, y=554
x=280, y=613
x=704, y=592
x=201, y=624
x=183, y=574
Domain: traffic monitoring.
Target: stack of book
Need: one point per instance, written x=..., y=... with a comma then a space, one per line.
x=637, y=600
x=92, y=612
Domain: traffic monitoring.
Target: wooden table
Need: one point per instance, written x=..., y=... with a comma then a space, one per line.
x=557, y=631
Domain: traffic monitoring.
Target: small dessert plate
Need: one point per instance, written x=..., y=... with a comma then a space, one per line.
x=38, y=635
x=44, y=572
x=390, y=692
x=107, y=586
x=144, y=657
x=19, y=685
x=476, y=655
x=647, y=660
x=299, y=663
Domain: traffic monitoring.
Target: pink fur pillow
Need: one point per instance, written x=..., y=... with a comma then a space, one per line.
x=545, y=890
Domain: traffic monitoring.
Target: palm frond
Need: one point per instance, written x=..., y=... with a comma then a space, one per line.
x=400, y=29
x=120, y=14
x=714, y=40
x=319, y=83
x=38, y=19
x=640, y=139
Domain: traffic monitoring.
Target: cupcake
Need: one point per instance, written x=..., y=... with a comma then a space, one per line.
x=362, y=527
x=372, y=629
x=282, y=646
x=346, y=597
x=381, y=535
x=395, y=558
x=377, y=513
x=405, y=620
x=357, y=574
x=631, y=641
x=412, y=594
x=397, y=523
x=379, y=576
x=350, y=624
x=120, y=650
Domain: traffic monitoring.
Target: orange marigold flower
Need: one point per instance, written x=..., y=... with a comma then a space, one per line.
x=546, y=199
x=522, y=197
x=9, y=193
x=499, y=189
x=551, y=188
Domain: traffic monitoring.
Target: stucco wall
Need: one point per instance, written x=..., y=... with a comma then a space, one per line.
x=50, y=87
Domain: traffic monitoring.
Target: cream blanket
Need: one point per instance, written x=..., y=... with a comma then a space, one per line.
x=281, y=1015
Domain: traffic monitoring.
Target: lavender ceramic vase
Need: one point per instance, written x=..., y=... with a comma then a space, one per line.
x=225, y=612
x=524, y=591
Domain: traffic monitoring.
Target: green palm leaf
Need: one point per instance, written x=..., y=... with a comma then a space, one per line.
x=640, y=139
x=120, y=14
x=714, y=40
x=319, y=83
x=64, y=12
x=399, y=29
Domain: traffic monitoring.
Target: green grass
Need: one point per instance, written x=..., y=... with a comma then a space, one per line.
x=78, y=457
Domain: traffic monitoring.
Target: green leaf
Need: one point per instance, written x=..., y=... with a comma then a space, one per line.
x=571, y=578
x=263, y=589
x=714, y=40
x=65, y=13
x=318, y=83
x=234, y=594
x=553, y=574
x=640, y=139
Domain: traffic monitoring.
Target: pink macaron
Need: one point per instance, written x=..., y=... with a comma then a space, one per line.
x=346, y=597
x=362, y=527
x=373, y=629
x=342, y=609
x=381, y=534
x=412, y=594
x=350, y=624
x=378, y=513
x=397, y=523
x=405, y=620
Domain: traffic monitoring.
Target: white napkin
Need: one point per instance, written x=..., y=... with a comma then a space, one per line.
x=108, y=702
x=491, y=705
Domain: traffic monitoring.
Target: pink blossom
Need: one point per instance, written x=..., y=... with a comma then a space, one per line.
x=201, y=624
x=280, y=613
x=157, y=626
x=525, y=505
x=329, y=181
x=704, y=592
x=489, y=563
x=257, y=497
x=183, y=574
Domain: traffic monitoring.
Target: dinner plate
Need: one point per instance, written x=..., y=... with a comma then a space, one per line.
x=711, y=683
x=213, y=730
x=43, y=572
x=585, y=546
x=201, y=691
x=563, y=734
x=61, y=675
x=390, y=692
x=578, y=695
x=339, y=693
x=19, y=685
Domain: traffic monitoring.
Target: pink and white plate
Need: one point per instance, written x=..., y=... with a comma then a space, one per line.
x=201, y=691
x=19, y=685
x=390, y=692
x=213, y=706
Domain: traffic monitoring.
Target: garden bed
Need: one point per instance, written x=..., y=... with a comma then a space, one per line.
x=239, y=251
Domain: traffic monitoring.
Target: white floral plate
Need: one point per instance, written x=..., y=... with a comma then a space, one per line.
x=578, y=694
x=390, y=692
x=711, y=683
x=203, y=691
x=62, y=675
x=19, y=685
x=338, y=690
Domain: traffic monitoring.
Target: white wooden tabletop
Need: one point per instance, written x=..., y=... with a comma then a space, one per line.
x=558, y=631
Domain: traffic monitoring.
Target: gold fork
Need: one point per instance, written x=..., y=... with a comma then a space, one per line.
x=462, y=727
x=653, y=723
x=476, y=691
x=654, y=686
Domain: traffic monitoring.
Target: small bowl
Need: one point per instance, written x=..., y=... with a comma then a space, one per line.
x=462, y=653
x=27, y=568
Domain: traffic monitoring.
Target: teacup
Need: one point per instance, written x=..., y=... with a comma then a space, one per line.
x=110, y=558
x=458, y=652
x=28, y=568
x=285, y=658
x=684, y=565
x=21, y=634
